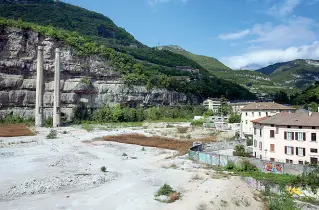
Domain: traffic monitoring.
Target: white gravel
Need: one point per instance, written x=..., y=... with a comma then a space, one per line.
x=65, y=173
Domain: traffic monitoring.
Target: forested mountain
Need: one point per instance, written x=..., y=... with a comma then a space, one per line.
x=92, y=33
x=297, y=73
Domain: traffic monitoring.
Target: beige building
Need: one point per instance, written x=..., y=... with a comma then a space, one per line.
x=212, y=104
x=254, y=111
x=287, y=137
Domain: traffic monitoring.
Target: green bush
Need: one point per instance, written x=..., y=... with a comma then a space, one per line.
x=281, y=202
x=48, y=123
x=240, y=151
x=198, y=122
x=234, y=118
x=246, y=166
x=15, y=119
x=230, y=166
x=103, y=169
x=165, y=190
x=52, y=135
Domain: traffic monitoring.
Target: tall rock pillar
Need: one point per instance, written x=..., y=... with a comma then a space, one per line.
x=39, y=90
x=57, y=91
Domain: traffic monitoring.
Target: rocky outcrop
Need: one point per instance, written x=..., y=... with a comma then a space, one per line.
x=88, y=80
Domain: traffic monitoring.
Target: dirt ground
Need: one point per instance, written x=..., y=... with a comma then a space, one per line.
x=15, y=130
x=65, y=173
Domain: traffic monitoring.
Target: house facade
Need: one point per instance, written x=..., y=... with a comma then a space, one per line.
x=213, y=104
x=287, y=137
x=254, y=111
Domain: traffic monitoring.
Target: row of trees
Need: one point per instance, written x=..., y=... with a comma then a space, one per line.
x=117, y=113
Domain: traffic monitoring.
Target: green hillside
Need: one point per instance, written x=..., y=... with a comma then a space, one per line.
x=209, y=63
x=297, y=73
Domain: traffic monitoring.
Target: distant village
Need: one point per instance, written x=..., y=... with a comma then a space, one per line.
x=278, y=133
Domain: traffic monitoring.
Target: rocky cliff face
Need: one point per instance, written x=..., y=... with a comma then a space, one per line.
x=88, y=80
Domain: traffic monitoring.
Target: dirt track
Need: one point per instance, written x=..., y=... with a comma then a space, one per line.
x=155, y=141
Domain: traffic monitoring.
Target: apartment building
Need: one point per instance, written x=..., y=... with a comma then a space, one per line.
x=287, y=137
x=213, y=104
x=238, y=105
x=254, y=111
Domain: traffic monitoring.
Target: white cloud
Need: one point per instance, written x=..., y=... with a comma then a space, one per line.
x=267, y=57
x=293, y=30
x=155, y=2
x=236, y=35
x=290, y=31
x=284, y=9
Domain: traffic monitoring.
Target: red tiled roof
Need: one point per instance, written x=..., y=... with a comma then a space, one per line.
x=266, y=106
x=259, y=119
x=293, y=119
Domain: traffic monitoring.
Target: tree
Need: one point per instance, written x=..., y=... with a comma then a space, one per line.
x=313, y=106
x=224, y=109
x=281, y=97
x=234, y=118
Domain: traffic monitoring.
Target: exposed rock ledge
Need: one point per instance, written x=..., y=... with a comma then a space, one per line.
x=18, y=73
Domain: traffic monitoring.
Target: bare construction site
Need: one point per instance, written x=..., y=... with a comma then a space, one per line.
x=111, y=169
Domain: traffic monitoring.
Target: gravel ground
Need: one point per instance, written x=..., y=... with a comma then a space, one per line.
x=65, y=173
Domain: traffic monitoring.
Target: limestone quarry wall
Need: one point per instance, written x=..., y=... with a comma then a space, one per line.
x=18, y=51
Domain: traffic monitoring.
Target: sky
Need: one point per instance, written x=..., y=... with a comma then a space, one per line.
x=240, y=33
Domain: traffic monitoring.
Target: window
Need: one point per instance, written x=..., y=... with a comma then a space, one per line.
x=255, y=143
x=313, y=150
x=272, y=134
x=300, y=151
x=289, y=161
x=313, y=160
x=289, y=150
x=260, y=133
x=300, y=162
x=313, y=137
x=272, y=147
x=260, y=145
x=289, y=135
x=259, y=114
x=261, y=157
x=255, y=131
x=272, y=159
x=267, y=114
x=246, y=113
x=246, y=122
x=300, y=136
x=253, y=114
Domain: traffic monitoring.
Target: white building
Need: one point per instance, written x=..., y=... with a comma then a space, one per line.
x=254, y=111
x=213, y=104
x=238, y=105
x=287, y=137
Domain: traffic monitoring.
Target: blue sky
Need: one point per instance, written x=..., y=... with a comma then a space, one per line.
x=240, y=33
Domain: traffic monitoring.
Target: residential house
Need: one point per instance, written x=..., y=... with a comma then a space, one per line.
x=254, y=111
x=287, y=137
x=237, y=105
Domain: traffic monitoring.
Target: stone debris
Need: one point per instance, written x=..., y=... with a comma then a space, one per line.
x=79, y=181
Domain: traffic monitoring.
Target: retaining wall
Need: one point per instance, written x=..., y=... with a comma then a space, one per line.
x=214, y=159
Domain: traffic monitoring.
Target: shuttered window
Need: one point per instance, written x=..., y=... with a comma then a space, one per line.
x=272, y=134
x=272, y=147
